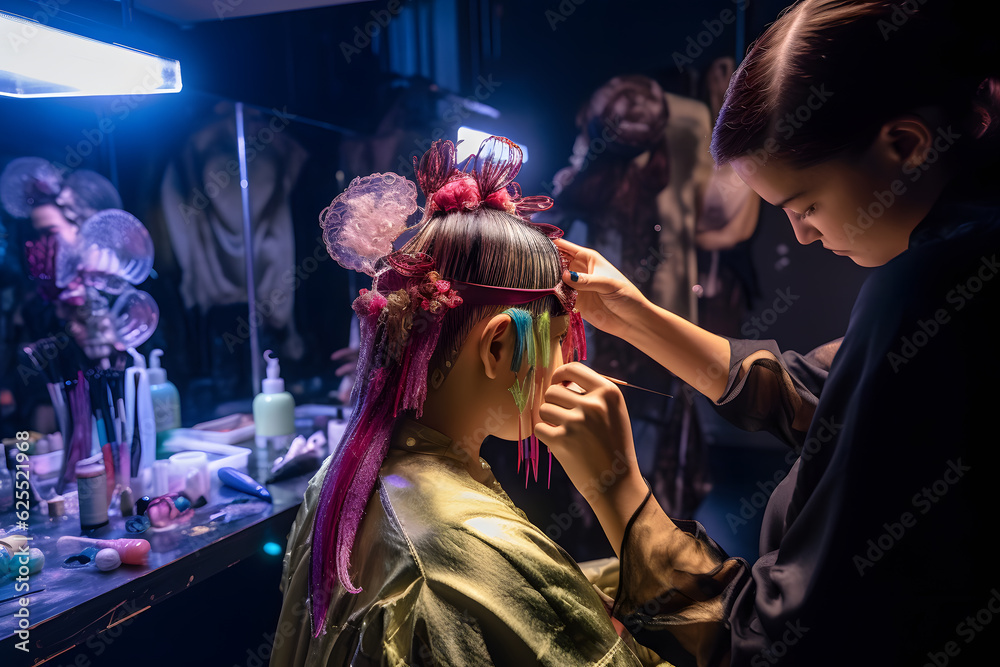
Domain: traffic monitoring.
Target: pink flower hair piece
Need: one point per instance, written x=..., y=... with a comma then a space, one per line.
x=361, y=224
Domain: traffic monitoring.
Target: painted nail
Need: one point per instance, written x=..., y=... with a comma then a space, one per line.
x=574, y=276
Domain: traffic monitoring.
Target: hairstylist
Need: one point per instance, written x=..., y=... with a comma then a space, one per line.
x=877, y=548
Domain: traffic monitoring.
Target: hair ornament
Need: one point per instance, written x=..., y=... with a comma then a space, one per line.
x=361, y=224
x=490, y=183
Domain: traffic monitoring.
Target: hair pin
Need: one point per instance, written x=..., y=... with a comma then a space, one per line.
x=634, y=386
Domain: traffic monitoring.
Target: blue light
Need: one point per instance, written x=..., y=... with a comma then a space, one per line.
x=39, y=61
x=272, y=549
x=471, y=140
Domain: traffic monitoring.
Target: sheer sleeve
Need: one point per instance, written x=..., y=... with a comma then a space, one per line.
x=674, y=577
x=773, y=390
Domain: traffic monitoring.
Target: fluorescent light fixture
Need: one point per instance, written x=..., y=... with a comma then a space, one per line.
x=39, y=61
x=472, y=139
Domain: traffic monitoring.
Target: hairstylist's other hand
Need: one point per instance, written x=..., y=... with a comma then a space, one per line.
x=605, y=297
x=586, y=425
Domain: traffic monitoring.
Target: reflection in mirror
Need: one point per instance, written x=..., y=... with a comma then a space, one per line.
x=300, y=298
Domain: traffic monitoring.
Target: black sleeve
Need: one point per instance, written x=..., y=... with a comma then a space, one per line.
x=773, y=390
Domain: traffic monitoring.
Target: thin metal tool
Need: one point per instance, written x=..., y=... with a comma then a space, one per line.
x=623, y=383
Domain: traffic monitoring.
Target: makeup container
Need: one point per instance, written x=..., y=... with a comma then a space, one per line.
x=92, y=490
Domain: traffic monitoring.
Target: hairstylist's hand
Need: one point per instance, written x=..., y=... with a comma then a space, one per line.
x=605, y=297
x=587, y=428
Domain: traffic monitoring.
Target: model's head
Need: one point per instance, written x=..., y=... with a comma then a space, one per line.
x=492, y=247
x=854, y=117
x=472, y=303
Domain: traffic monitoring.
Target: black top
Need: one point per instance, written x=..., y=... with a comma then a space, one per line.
x=876, y=548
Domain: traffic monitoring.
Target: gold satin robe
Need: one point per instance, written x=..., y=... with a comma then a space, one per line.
x=452, y=574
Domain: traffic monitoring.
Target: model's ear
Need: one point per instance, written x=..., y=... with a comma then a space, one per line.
x=496, y=345
x=908, y=139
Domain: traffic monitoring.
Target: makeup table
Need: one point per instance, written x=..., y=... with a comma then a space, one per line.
x=70, y=607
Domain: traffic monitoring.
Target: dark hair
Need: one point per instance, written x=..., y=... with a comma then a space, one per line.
x=824, y=77
x=488, y=247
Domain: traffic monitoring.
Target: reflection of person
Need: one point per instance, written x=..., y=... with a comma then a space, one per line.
x=57, y=205
x=728, y=220
x=640, y=190
x=203, y=215
x=406, y=546
x=879, y=539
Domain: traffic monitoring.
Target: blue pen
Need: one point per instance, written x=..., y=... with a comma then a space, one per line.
x=241, y=481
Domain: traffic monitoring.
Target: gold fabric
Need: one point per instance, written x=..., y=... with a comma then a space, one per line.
x=452, y=574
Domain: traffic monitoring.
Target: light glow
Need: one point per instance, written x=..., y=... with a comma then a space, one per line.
x=39, y=61
x=471, y=140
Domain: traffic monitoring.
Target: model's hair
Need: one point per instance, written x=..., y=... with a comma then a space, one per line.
x=403, y=350
x=824, y=77
x=487, y=247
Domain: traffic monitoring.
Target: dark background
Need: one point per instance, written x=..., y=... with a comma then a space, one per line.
x=543, y=58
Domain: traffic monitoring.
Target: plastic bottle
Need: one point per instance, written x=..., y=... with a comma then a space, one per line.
x=166, y=401
x=140, y=424
x=273, y=412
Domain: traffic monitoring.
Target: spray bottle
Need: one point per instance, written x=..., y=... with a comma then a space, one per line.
x=273, y=412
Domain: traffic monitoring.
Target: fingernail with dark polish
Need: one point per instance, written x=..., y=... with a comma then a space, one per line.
x=574, y=276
